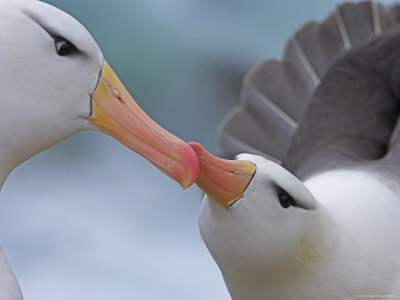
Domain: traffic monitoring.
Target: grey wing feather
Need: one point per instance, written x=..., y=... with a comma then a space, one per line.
x=275, y=94
x=358, y=22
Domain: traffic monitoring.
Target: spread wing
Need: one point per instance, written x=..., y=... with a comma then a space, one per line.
x=276, y=95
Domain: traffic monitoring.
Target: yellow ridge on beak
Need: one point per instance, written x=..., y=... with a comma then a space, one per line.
x=223, y=180
x=115, y=112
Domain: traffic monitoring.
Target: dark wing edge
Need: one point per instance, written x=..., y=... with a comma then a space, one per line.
x=275, y=94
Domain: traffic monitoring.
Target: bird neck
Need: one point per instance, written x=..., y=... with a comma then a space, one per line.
x=301, y=269
x=2, y=180
x=16, y=148
x=8, y=162
x=356, y=200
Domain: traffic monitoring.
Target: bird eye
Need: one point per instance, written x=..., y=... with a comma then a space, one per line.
x=285, y=200
x=63, y=47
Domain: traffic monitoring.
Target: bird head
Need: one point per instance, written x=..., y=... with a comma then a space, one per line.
x=259, y=222
x=55, y=82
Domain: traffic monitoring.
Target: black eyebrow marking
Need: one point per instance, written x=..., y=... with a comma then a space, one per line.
x=38, y=22
x=280, y=190
x=54, y=35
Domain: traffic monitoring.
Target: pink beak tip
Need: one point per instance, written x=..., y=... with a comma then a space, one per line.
x=191, y=161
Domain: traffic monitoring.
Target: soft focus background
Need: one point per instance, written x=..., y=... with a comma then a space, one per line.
x=89, y=219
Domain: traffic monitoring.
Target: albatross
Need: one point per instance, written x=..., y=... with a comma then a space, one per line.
x=55, y=82
x=313, y=211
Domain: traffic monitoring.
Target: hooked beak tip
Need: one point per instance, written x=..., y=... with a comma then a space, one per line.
x=223, y=180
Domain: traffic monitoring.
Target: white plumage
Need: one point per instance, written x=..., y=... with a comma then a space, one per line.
x=340, y=242
x=40, y=102
x=329, y=228
x=54, y=82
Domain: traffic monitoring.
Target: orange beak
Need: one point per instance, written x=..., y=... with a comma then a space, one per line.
x=115, y=112
x=223, y=180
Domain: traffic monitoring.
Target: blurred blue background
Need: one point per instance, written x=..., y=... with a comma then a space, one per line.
x=89, y=219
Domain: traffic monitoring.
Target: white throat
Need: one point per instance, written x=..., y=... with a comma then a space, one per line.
x=351, y=229
x=44, y=97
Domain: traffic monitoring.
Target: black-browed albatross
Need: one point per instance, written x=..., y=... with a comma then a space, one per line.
x=54, y=82
x=326, y=225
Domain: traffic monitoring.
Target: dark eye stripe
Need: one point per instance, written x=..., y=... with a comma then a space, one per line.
x=286, y=200
x=63, y=47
